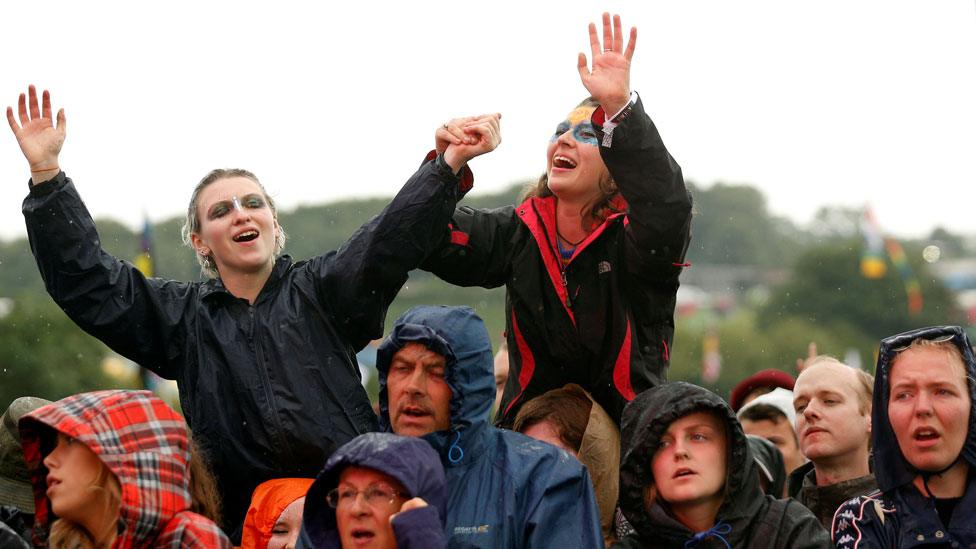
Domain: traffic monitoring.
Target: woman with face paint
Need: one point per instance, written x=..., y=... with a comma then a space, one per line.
x=591, y=258
x=263, y=351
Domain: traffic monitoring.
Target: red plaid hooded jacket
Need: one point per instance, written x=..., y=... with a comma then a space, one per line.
x=145, y=444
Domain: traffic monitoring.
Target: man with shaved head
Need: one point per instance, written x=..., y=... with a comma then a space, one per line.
x=833, y=422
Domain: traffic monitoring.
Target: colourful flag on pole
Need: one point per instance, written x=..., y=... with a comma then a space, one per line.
x=873, y=265
x=711, y=358
x=144, y=261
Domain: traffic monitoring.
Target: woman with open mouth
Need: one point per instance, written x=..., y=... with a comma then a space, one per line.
x=379, y=491
x=924, y=442
x=591, y=258
x=687, y=479
x=264, y=349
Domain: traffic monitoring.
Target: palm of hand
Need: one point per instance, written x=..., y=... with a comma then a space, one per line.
x=610, y=74
x=40, y=141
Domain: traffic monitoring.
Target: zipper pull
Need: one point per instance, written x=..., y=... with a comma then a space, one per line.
x=569, y=298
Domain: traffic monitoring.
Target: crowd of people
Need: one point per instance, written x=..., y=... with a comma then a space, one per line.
x=590, y=445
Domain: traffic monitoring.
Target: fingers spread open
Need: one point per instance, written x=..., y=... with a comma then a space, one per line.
x=584, y=72
x=12, y=121
x=46, y=104
x=594, y=41
x=22, y=110
x=34, y=111
x=631, y=44
x=607, y=33
x=618, y=35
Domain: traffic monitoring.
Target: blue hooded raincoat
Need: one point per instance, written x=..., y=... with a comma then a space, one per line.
x=411, y=462
x=506, y=489
x=898, y=514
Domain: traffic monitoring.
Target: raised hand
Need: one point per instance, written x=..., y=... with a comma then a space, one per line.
x=609, y=79
x=39, y=139
x=462, y=139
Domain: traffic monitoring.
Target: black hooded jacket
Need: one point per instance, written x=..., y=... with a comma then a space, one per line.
x=752, y=519
x=898, y=515
x=270, y=388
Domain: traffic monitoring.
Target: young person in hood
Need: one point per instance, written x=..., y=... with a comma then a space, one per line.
x=924, y=445
x=111, y=469
x=590, y=260
x=263, y=351
x=688, y=478
x=275, y=516
x=379, y=491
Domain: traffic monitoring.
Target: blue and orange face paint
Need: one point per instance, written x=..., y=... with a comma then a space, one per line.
x=579, y=123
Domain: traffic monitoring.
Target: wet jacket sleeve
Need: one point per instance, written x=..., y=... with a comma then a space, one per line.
x=359, y=280
x=110, y=299
x=475, y=248
x=419, y=529
x=659, y=205
x=566, y=514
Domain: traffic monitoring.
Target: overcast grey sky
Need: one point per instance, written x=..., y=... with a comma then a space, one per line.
x=825, y=102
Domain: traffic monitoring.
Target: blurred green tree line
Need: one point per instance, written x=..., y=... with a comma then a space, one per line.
x=821, y=298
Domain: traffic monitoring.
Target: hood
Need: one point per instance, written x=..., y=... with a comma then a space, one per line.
x=459, y=335
x=141, y=440
x=892, y=470
x=269, y=500
x=769, y=460
x=409, y=460
x=600, y=452
x=644, y=421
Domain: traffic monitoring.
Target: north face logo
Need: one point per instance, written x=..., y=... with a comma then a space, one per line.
x=603, y=267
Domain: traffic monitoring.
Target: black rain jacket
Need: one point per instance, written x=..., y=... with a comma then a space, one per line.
x=746, y=519
x=606, y=321
x=270, y=389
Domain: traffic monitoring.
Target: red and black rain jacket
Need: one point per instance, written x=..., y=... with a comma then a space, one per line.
x=606, y=320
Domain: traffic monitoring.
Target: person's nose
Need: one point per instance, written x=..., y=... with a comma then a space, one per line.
x=51, y=459
x=359, y=505
x=417, y=382
x=923, y=404
x=680, y=450
x=566, y=138
x=811, y=412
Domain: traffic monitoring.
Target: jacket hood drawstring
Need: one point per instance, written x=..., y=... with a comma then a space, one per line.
x=455, y=450
x=719, y=531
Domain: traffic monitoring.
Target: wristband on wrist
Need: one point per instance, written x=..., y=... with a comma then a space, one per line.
x=47, y=169
x=610, y=124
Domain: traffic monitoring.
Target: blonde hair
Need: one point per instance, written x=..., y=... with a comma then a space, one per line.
x=69, y=535
x=947, y=347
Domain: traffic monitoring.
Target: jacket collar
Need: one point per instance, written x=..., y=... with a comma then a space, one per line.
x=215, y=287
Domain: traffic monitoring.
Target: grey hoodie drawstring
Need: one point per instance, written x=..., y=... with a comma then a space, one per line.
x=720, y=529
x=454, y=447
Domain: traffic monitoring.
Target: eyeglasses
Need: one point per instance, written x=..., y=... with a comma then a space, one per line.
x=941, y=339
x=376, y=495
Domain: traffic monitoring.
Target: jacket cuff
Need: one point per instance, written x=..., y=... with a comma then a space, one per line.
x=49, y=186
x=464, y=180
